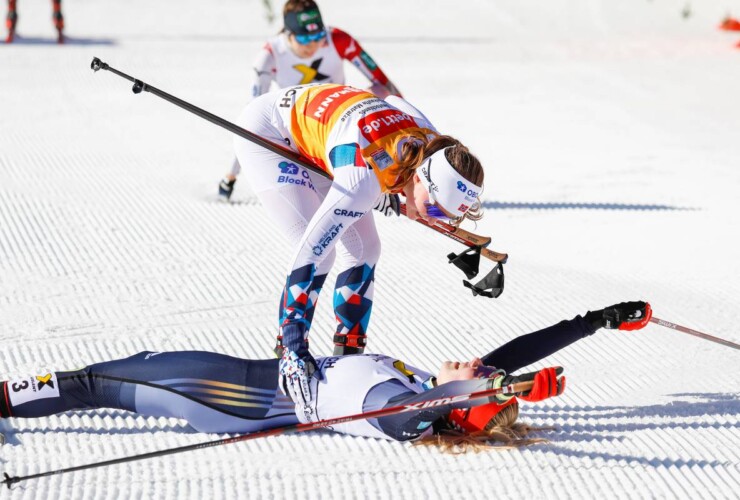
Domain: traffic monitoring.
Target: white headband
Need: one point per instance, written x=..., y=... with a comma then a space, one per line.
x=446, y=186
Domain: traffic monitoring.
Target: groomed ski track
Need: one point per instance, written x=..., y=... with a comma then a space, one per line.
x=610, y=138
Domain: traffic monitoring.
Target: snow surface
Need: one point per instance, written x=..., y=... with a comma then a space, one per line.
x=610, y=135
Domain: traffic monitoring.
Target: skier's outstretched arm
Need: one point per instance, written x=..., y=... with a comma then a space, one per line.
x=530, y=348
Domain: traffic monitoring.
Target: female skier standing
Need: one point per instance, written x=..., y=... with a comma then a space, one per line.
x=372, y=149
x=306, y=51
x=219, y=393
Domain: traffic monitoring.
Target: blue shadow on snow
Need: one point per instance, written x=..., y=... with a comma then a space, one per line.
x=512, y=205
x=639, y=418
x=68, y=40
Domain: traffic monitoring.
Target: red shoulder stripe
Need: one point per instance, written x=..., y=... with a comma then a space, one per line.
x=346, y=46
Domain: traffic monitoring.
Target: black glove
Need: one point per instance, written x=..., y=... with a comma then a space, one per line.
x=623, y=316
x=388, y=205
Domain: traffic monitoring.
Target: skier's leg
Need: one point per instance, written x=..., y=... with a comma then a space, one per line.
x=91, y=387
x=226, y=186
x=289, y=194
x=58, y=20
x=358, y=250
x=11, y=20
x=213, y=392
x=291, y=208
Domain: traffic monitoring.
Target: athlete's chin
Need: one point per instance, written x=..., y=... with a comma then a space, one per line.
x=307, y=53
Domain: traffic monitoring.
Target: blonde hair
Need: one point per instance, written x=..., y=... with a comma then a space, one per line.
x=502, y=432
x=414, y=149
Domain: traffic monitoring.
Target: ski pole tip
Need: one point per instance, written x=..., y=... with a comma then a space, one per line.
x=10, y=480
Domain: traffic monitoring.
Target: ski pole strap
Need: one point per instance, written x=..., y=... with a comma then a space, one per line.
x=491, y=286
x=468, y=261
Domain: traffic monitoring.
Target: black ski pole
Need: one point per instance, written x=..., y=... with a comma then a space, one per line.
x=467, y=238
x=477, y=397
x=140, y=86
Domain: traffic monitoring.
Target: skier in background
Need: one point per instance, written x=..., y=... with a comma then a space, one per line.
x=307, y=51
x=12, y=20
x=219, y=393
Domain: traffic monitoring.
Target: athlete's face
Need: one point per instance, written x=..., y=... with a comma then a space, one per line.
x=455, y=370
x=416, y=197
x=307, y=50
x=417, y=200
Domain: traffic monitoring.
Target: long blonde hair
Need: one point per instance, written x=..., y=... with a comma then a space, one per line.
x=414, y=149
x=503, y=432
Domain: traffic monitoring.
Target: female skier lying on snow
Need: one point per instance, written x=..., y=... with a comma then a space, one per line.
x=219, y=393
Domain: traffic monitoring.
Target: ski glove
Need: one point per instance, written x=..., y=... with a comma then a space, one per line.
x=388, y=205
x=297, y=366
x=623, y=316
x=546, y=384
x=295, y=376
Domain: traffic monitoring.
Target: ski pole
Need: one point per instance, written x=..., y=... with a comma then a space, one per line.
x=140, y=86
x=683, y=329
x=477, y=398
x=460, y=235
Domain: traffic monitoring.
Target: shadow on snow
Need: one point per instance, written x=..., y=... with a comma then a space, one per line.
x=68, y=40
x=625, y=420
x=510, y=205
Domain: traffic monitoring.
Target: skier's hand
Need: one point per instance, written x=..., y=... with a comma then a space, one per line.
x=388, y=205
x=496, y=380
x=546, y=384
x=623, y=316
x=295, y=375
x=296, y=366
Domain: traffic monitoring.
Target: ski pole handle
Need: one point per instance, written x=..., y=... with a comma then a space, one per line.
x=463, y=236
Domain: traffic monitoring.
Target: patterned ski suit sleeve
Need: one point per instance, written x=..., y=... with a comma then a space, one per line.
x=265, y=69
x=349, y=49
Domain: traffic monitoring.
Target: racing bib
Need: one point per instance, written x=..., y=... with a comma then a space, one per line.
x=33, y=388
